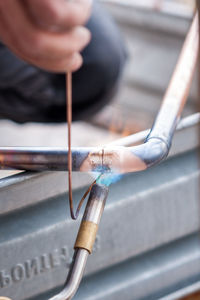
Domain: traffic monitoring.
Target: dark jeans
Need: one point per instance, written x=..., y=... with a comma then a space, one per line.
x=30, y=94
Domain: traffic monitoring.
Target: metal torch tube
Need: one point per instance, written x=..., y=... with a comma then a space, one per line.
x=75, y=275
x=178, y=89
x=120, y=159
x=85, y=240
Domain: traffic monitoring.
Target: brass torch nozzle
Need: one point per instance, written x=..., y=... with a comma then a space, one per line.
x=90, y=222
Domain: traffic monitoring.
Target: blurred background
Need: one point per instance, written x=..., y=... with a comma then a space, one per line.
x=156, y=253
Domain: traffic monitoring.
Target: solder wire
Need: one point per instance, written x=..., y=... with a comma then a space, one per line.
x=69, y=120
x=75, y=215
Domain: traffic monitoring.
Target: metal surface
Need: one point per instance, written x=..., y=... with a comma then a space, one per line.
x=186, y=291
x=47, y=185
x=75, y=275
x=160, y=209
x=93, y=212
x=91, y=218
x=147, y=277
x=96, y=204
x=176, y=94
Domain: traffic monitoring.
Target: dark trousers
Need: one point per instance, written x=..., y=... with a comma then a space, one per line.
x=30, y=94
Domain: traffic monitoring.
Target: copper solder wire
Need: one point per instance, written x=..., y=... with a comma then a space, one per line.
x=69, y=121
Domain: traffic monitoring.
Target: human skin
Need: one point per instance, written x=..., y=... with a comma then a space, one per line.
x=48, y=34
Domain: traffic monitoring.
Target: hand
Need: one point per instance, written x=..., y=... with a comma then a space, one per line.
x=46, y=33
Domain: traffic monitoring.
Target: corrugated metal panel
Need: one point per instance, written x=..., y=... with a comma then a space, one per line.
x=144, y=212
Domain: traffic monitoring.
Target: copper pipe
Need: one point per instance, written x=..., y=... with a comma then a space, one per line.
x=121, y=159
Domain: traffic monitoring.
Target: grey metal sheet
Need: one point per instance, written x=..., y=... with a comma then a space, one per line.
x=144, y=211
x=184, y=291
x=147, y=277
x=167, y=273
x=28, y=188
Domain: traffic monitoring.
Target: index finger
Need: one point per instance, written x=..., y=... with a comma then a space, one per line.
x=59, y=14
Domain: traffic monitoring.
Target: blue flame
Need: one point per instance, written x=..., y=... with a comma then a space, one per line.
x=105, y=177
x=108, y=179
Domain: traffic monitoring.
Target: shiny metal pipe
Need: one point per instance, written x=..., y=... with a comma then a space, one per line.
x=178, y=89
x=75, y=275
x=84, y=242
x=96, y=204
x=56, y=159
x=120, y=159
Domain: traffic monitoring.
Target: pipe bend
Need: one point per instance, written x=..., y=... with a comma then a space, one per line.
x=152, y=152
x=134, y=159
